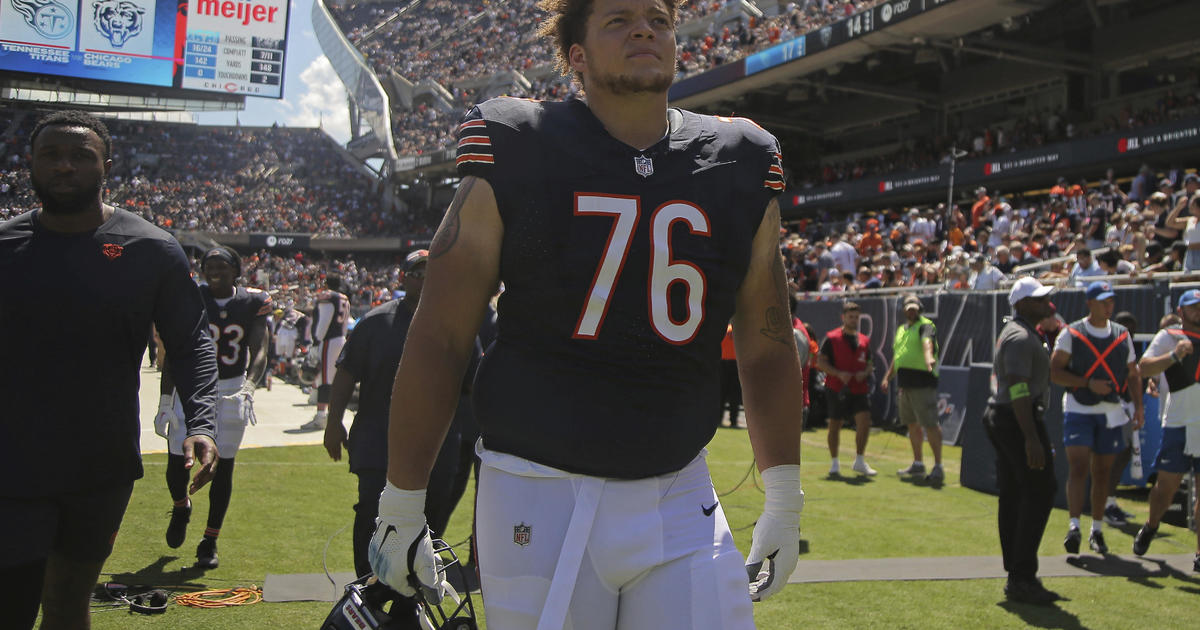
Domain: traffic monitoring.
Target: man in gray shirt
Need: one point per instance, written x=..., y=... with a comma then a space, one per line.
x=1024, y=461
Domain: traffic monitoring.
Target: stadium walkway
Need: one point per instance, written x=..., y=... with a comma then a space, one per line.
x=279, y=412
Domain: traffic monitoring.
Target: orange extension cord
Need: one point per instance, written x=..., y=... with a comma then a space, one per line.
x=220, y=598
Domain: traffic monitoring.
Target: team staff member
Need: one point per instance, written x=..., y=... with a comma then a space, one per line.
x=330, y=321
x=237, y=321
x=1094, y=361
x=845, y=358
x=1172, y=352
x=1024, y=459
x=82, y=280
x=627, y=235
x=914, y=364
x=370, y=357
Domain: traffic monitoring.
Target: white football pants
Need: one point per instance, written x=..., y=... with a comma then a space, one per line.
x=559, y=550
x=230, y=425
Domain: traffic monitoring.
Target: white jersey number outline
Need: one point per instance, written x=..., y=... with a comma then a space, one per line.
x=237, y=333
x=664, y=271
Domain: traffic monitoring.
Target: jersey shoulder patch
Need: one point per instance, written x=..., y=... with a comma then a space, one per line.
x=477, y=133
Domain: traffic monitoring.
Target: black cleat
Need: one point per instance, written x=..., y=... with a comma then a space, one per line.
x=1115, y=516
x=206, y=554
x=1096, y=542
x=1141, y=542
x=1071, y=542
x=1029, y=591
x=177, y=529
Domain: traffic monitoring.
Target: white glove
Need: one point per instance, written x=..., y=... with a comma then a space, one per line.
x=245, y=401
x=166, y=414
x=401, y=550
x=777, y=533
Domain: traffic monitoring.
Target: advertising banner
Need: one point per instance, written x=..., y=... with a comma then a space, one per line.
x=280, y=241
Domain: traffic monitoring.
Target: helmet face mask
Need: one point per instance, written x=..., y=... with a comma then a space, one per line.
x=368, y=604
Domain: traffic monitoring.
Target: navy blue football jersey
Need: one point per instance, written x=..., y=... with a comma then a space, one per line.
x=620, y=270
x=339, y=320
x=230, y=324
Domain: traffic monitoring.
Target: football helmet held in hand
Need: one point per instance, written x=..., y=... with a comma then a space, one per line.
x=371, y=604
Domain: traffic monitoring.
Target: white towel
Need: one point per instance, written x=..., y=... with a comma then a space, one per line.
x=1192, y=444
x=566, y=572
x=1116, y=417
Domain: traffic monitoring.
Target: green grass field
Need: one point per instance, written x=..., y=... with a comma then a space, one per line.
x=288, y=502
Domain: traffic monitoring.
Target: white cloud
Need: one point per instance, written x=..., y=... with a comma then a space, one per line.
x=322, y=101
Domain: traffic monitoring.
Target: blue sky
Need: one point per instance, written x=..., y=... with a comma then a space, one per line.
x=313, y=94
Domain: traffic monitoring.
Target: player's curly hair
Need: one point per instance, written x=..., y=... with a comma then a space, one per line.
x=567, y=23
x=74, y=118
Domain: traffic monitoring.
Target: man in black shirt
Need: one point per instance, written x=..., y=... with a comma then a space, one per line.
x=370, y=357
x=83, y=280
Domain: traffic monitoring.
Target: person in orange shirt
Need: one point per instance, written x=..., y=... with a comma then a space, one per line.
x=983, y=205
x=871, y=240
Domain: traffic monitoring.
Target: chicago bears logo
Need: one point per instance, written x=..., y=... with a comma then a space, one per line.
x=52, y=20
x=117, y=20
x=112, y=251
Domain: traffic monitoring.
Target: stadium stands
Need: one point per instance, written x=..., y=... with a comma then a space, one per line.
x=229, y=179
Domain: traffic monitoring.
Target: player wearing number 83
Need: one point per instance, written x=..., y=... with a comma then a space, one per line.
x=627, y=235
x=237, y=322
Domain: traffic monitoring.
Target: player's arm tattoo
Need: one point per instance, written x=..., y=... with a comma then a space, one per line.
x=447, y=234
x=778, y=322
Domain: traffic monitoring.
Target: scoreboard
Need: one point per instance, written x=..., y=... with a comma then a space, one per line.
x=227, y=46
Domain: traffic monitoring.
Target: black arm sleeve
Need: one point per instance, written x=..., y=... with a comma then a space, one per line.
x=182, y=323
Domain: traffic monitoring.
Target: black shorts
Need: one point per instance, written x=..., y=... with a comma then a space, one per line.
x=843, y=405
x=81, y=526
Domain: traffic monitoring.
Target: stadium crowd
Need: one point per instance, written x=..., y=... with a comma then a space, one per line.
x=455, y=42
x=295, y=279
x=1075, y=232
x=488, y=38
x=229, y=179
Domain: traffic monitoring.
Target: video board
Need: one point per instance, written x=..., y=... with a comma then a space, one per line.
x=226, y=46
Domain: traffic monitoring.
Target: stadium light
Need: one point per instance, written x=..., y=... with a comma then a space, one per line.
x=955, y=155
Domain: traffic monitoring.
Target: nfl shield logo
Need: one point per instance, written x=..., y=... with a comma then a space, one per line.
x=643, y=165
x=522, y=534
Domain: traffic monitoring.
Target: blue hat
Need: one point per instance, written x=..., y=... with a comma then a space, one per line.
x=1100, y=290
x=1189, y=298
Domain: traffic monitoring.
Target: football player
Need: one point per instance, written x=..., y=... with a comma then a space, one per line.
x=237, y=322
x=330, y=321
x=627, y=235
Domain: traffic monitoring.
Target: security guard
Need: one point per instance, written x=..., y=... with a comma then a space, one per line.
x=1024, y=461
x=914, y=364
x=1095, y=361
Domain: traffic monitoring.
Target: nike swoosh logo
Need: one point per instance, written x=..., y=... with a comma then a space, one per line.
x=709, y=510
x=709, y=167
x=1074, y=435
x=390, y=529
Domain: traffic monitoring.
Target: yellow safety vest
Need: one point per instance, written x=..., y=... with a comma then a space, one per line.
x=907, y=348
